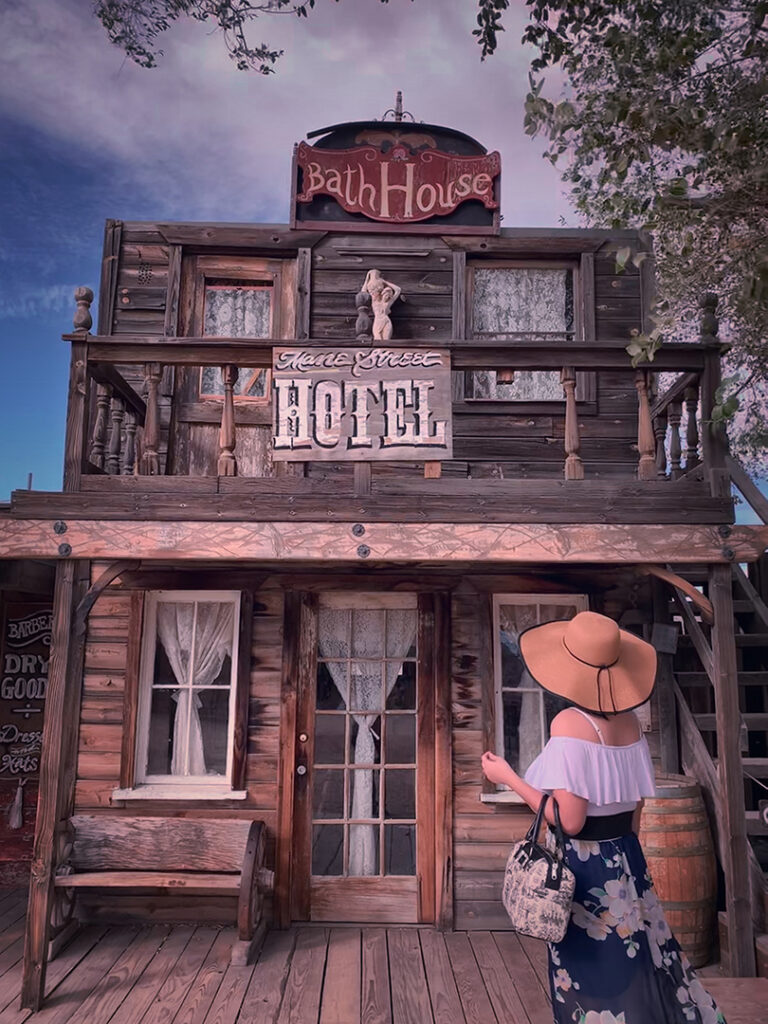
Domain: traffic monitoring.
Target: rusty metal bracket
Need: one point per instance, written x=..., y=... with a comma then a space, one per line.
x=111, y=573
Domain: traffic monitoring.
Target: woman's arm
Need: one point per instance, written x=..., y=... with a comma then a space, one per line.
x=573, y=809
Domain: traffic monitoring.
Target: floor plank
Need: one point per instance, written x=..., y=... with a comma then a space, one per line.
x=114, y=987
x=163, y=1007
x=303, y=989
x=264, y=996
x=524, y=978
x=410, y=995
x=203, y=989
x=341, y=988
x=229, y=998
x=76, y=985
x=536, y=951
x=149, y=983
x=500, y=987
x=741, y=1000
x=469, y=981
x=446, y=1005
x=376, y=1003
x=11, y=954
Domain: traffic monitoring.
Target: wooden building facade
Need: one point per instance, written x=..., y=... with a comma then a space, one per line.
x=327, y=644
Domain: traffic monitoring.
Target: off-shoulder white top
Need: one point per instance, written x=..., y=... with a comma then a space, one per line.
x=611, y=778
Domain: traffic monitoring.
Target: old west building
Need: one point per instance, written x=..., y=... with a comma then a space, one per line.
x=294, y=549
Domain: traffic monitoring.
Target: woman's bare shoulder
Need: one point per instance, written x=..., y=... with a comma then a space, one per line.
x=571, y=723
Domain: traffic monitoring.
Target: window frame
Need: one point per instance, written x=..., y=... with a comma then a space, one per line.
x=135, y=784
x=583, y=300
x=581, y=601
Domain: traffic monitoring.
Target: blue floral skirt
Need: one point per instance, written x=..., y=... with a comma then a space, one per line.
x=619, y=963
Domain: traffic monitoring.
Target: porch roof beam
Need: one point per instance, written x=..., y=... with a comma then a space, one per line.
x=364, y=543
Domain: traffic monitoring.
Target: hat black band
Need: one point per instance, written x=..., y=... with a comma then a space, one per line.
x=600, y=668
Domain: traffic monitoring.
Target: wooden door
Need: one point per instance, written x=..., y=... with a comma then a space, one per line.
x=364, y=804
x=234, y=297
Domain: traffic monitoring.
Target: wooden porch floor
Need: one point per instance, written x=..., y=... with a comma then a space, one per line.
x=181, y=974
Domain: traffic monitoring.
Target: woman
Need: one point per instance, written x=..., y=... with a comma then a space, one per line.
x=618, y=962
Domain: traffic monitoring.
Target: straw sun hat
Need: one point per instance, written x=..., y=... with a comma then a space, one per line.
x=589, y=661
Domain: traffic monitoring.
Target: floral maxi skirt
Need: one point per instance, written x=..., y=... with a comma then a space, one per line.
x=619, y=963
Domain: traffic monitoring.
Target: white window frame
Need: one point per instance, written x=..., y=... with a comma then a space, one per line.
x=186, y=787
x=581, y=603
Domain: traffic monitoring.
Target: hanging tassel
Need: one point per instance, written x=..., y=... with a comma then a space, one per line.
x=16, y=810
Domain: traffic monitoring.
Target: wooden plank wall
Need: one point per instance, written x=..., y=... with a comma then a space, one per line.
x=98, y=762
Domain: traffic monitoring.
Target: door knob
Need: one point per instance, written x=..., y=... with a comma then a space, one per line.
x=301, y=770
x=303, y=737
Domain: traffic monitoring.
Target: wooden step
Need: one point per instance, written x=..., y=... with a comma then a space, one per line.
x=761, y=951
x=742, y=640
x=755, y=824
x=757, y=766
x=702, y=679
x=756, y=721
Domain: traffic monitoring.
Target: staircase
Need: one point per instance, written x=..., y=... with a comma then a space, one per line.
x=750, y=609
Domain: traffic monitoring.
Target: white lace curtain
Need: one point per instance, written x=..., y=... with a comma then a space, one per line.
x=377, y=632
x=205, y=629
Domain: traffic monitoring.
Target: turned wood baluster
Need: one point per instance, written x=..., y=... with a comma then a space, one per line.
x=692, y=428
x=660, y=433
x=150, y=460
x=574, y=467
x=646, y=441
x=82, y=319
x=675, y=416
x=227, y=460
x=115, y=435
x=99, y=437
x=129, y=455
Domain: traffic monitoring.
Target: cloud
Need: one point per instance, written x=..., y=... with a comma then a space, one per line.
x=203, y=141
x=31, y=302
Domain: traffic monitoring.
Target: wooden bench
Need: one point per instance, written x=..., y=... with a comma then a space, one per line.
x=206, y=856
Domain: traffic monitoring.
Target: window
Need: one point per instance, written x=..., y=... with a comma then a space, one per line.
x=523, y=710
x=184, y=706
x=528, y=302
x=237, y=309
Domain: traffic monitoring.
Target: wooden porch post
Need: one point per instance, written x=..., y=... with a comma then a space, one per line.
x=734, y=831
x=57, y=776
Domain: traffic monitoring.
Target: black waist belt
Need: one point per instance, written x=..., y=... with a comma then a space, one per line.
x=609, y=826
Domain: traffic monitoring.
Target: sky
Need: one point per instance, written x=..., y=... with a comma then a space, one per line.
x=85, y=135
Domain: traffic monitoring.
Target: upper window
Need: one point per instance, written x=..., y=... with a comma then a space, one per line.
x=529, y=302
x=187, y=689
x=523, y=710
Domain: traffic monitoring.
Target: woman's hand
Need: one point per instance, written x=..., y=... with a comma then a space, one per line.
x=496, y=769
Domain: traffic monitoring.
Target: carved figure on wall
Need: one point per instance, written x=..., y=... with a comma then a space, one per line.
x=383, y=294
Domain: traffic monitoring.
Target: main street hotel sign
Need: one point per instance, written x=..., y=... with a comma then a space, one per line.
x=361, y=404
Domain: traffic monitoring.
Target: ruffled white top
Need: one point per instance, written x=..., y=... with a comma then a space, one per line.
x=612, y=779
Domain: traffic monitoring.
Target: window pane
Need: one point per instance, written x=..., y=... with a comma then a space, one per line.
x=334, y=625
x=327, y=849
x=525, y=300
x=238, y=310
x=400, y=849
x=213, y=640
x=163, y=673
x=401, y=632
x=212, y=708
x=328, y=793
x=162, y=721
x=522, y=727
x=400, y=793
x=331, y=685
x=363, y=850
x=329, y=739
x=365, y=739
x=366, y=686
x=364, y=793
x=401, y=739
x=368, y=633
x=402, y=696
x=250, y=383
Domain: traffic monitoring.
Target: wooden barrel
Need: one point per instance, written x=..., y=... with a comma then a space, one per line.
x=675, y=836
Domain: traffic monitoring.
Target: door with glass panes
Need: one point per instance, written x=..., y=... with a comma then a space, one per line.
x=364, y=790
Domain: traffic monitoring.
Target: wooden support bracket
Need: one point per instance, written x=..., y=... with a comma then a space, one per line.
x=702, y=603
x=84, y=607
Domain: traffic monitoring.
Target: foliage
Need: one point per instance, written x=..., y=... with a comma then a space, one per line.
x=662, y=124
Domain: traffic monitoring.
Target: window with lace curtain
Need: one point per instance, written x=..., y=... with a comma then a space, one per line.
x=187, y=694
x=523, y=710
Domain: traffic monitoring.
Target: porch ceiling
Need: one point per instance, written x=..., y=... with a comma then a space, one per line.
x=387, y=543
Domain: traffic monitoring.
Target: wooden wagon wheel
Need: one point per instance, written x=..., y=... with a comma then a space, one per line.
x=63, y=901
x=256, y=881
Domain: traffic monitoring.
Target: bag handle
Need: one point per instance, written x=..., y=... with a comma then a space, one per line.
x=533, y=833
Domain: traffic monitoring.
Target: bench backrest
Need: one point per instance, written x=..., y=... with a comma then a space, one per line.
x=114, y=843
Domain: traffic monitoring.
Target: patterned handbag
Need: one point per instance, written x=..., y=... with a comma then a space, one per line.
x=538, y=886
